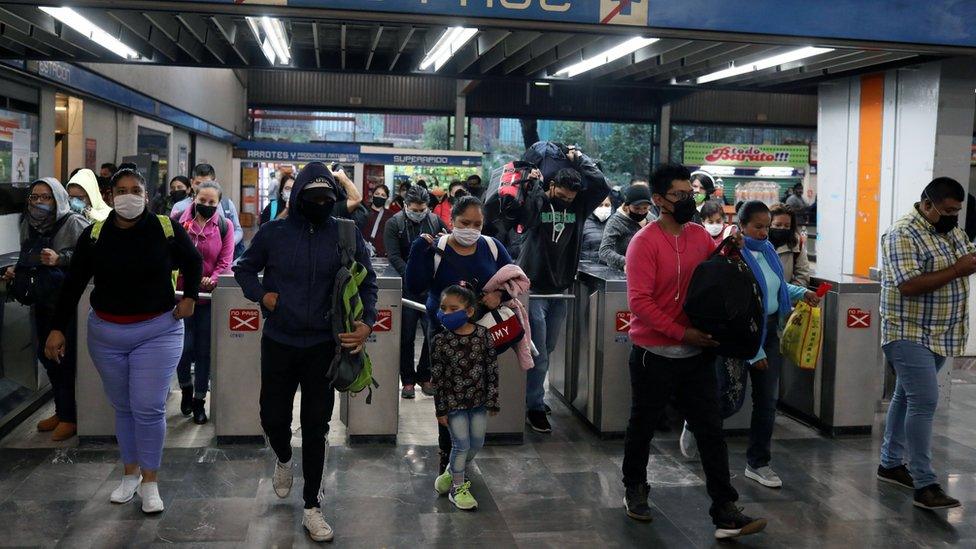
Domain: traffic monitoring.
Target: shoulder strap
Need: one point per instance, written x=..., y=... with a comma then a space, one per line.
x=225, y=205
x=97, y=230
x=439, y=252
x=222, y=226
x=347, y=241
x=491, y=246
x=167, y=225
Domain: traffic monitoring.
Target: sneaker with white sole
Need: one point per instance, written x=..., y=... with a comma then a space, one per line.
x=127, y=489
x=151, y=502
x=689, y=448
x=442, y=484
x=765, y=476
x=282, y=479
x=315, y=525
x=461, y=497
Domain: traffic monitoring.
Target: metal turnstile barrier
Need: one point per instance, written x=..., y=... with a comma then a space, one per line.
x=378, y=422
x=96, y=417
x=842, y=394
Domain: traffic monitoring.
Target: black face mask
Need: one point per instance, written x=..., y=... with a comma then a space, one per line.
x=205, y=211
x=379, y=201
x=317, y=213
x=636, y=217
x=176, y=196
x=946, y=223
x=779, y=237
x=684, y=210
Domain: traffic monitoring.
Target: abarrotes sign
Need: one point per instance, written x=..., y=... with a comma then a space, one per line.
x=351, y=153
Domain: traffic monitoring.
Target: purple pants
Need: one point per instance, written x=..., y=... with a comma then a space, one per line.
x=136, y=363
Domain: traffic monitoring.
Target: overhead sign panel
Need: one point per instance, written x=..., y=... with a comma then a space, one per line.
x=727, y=154
x=349, y=153
x=934, y=22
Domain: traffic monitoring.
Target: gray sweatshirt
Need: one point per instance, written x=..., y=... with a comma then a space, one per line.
x=616, y=237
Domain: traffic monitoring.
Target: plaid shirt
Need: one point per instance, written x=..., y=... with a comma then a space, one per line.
x=938, y=320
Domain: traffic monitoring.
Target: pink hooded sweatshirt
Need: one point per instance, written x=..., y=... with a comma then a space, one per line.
x=217, y=251
x=513, y=281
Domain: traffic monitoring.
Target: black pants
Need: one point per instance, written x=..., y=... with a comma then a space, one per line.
x=62, y=375
x=408, y=337
x=690, y=384
x=283, y=369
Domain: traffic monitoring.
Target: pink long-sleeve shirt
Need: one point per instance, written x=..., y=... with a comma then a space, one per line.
x=217, y=251
x=659, y=269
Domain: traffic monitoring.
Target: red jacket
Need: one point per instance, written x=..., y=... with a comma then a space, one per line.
x=443, y=211
x=657, y=282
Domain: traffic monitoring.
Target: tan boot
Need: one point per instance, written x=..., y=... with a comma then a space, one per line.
x=64, y=431
x=48, y=424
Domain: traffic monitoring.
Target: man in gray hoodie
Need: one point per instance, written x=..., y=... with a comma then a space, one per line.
x=623, y=225
x=48, y=233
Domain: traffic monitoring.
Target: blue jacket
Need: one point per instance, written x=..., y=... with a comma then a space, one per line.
x=300, y=263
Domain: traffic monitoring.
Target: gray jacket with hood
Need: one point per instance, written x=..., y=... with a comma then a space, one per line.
x=69, y=229
x=617, y=234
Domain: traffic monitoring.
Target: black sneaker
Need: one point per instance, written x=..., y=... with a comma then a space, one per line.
x=731, y=523
x=186, y=401
x=635, y=502
x=427, y=388
x=408, y=392
x=538, y=421
x=548, y=410
x=898, y=476
x=199, y=413
x=932, y=497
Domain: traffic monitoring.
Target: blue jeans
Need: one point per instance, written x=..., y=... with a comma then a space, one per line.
x=911, y=410
x=196, y=350
x=547, y=318
x=765, y=393
x=467, y=429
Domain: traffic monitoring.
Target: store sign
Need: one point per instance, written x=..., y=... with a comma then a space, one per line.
x=351, y=154
x=858, y=318
x=384, y=321
x=936, y=22
x=726, y=154
x=245, y=320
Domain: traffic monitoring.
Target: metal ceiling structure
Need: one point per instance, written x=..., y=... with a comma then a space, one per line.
x=224, y=39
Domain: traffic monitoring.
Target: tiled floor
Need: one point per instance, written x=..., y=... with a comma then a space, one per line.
x=561, y=490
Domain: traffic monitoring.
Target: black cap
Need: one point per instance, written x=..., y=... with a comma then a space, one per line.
x=315, y=175
x=635, y=195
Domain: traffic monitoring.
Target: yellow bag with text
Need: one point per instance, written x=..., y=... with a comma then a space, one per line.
x=803, y=334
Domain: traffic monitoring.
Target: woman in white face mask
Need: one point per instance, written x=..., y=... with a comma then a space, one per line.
x=593, y=231
x=135, y=326
x=713, y=219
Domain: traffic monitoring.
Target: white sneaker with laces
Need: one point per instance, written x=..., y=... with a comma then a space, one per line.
x=282, y=479
x=689, y=448
x=765, y=476
x=127, y=489
x=151, y=502
x=315, y=525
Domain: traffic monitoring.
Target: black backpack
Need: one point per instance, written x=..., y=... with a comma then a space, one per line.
x=724, y=301
x=35, y=283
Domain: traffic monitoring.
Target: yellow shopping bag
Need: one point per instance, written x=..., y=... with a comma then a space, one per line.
x=800, y=342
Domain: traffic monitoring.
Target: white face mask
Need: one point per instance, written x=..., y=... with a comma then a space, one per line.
x=714, y=229
x=602, y=213
x=466, y=237
x=129, y=206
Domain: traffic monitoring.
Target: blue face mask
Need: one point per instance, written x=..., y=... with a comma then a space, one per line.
x=453, y=321
x=77, y=205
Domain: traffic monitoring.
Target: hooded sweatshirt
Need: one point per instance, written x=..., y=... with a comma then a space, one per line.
x=67, y=231
x=300, y=263
x=86, y=179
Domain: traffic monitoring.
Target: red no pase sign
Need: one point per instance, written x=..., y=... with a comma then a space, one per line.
x=623, y=321
x=245, y=320
x=384, y=321
x=858, y=318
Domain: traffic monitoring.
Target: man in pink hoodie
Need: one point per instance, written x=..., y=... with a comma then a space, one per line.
x=671, y=359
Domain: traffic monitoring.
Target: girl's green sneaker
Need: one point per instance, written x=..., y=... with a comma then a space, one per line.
x=442, y=484
x=462, y=499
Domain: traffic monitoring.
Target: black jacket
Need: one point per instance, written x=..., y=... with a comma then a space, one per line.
x=400, y=232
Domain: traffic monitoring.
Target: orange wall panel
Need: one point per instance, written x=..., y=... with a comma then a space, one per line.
x=868, y=173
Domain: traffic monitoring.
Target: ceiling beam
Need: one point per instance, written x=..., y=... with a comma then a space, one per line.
x=539, y=47
x=231, y=32
x=145, y=30
x=316, y=45
x=403, y=38
x=342, y=46
x=647, y=57
x=172, y=29
x=11, y=32
x=510, y=46
x=201, y=32
x=373, y=43
x=541, y=63
x=482, y=44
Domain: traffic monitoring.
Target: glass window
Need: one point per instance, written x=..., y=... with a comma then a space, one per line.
x=409, y=131
x=18, y=146
x=155, y=144
x=740, y=135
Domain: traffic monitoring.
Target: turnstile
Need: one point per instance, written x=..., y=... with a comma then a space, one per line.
x=378, y=421
x=96, y=417
x=508, y=427
x=841, y=395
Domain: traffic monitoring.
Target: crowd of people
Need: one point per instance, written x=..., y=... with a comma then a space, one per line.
x=152, y=262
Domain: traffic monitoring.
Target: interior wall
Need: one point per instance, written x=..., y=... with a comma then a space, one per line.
x=102, y=125
x=219, y=155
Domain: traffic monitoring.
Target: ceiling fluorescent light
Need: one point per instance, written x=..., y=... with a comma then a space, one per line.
x=90, y=30
x=769, y=62
x=612, y=54
x=446, y=46
x=269, y=32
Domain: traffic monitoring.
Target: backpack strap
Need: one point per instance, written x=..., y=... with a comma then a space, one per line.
x=347, y=241
x=274, y=210
x=96, y=230
x=491, y=246
x=225, y=205
x=222, y=226
x=441, y=247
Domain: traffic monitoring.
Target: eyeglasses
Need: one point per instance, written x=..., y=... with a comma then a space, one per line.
x=37, y=197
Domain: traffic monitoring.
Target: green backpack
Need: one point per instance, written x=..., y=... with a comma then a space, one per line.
x=349, y=373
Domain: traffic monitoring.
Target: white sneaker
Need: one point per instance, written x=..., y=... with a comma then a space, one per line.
x=689, y=448
x=127, y=489
x=282, y=479
x=315, y=525
x=765, y=476
x=151, y=502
